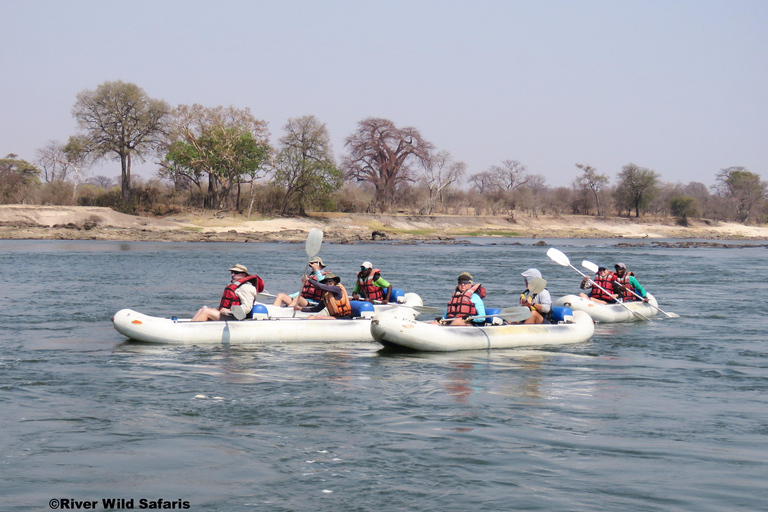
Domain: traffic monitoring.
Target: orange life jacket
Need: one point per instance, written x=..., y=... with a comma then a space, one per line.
x=461, y=303
x=367, y=289
x=229, y=298
x=338, y=308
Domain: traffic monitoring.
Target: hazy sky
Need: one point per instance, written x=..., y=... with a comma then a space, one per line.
x=680, y=87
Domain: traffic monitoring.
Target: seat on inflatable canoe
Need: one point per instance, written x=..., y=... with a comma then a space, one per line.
x=561, y=314
x=490, y=319
x=259, y=312
x=397, y=295
x=361, y=309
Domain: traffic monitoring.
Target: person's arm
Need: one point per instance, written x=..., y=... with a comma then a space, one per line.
x=480, y=307
x=544, y=299
x=335, y=290
x=382, y=283
x=639, y=289
x=313, y=308
x=247, y=296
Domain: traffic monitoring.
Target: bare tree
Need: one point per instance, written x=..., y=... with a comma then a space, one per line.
x=533, y=193
x=485, y=182
x=384, y=155
x=102, y=181
x=52, y=162
x=593, y=181
x=58, y=161
x=438, y=176
x=510, y=174
x=120, y=120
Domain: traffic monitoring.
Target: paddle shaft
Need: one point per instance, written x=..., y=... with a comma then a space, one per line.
x=314, y=241
x=514, y=314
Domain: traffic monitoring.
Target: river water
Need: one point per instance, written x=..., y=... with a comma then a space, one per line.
x=666, y=415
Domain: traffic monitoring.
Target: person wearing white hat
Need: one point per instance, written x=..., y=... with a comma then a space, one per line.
x=237, y=299
x=370, y=286
x=540, y=303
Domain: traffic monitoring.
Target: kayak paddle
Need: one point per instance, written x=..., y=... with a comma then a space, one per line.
x=561, y=259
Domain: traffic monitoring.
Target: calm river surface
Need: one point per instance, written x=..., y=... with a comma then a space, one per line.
x=666, y=415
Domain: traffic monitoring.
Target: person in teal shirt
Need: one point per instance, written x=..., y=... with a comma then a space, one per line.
x=628, y=283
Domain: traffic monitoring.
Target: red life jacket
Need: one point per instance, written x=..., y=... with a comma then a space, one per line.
x=461, y=303
x=229, y=298
x=367, y=289
x=338, y=308
x=309, y=292
x=605, y=282
x=628, y=289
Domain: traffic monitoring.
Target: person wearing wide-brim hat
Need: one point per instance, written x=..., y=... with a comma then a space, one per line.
x=334, y=299
x=307, y=295
x=238, y=297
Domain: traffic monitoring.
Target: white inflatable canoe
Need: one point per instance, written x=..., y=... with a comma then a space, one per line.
x=270, y=324
x=611, y=313
x=152, y=329
x=399, y=328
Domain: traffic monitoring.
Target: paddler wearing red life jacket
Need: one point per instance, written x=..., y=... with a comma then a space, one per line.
x=308, y=294
x=466, y=301
x=602, y=287
x=240, y=293
x=370, y=286
x=626, y=283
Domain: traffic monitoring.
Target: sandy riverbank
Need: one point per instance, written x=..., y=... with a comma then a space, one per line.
x=93, y=223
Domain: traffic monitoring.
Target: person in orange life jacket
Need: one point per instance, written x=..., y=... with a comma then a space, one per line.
x=307, y=294
x=626, y=281
x=241, y=293
x=603, y=279
x=370, y=285
x=334, y=299
x=466, y=301
x=540, y=303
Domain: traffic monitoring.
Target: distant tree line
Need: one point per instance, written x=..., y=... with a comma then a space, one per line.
x=221, y=158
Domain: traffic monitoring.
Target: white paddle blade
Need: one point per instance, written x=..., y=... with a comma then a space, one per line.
x=516, y=314
x=536, y=285
x=426, y=310
x=314, y=241
x=558, y=257
x=589, y=266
